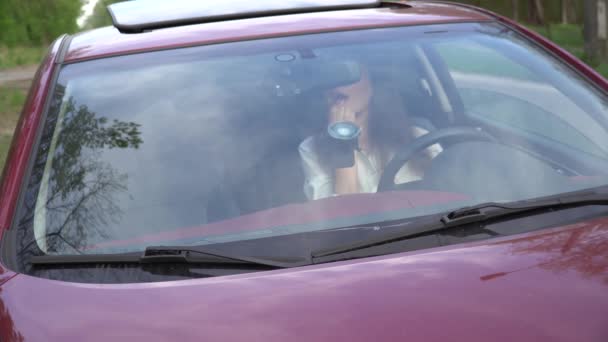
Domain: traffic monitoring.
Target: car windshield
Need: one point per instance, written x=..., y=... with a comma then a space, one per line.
x=265, y=138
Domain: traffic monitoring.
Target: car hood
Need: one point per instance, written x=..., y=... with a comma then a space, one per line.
x=545, y=286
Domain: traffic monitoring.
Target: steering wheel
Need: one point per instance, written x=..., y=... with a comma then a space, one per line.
x=387, y=180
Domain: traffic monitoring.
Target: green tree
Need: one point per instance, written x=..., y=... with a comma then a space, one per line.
x=100, y=16
x=533, y=10
x=35, y=22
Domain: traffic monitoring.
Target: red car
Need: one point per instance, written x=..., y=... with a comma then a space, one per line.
x=338, y=170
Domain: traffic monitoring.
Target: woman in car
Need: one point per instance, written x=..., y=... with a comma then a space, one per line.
x=384, y=129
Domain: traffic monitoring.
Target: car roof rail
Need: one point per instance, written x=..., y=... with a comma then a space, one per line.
x=137, y=16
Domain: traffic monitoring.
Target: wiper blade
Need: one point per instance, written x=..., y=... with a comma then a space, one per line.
x=167, y=254
x=494, y=210
x=482, y=213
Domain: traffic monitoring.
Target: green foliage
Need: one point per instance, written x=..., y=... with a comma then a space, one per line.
x=11, y=101
x=11, y=98
x=20, y=55
x=5, y=141
x=552, y=8
x=602, y=69
x=36, y=22
x=565, y=35
x=570, y=37
x=100, y=16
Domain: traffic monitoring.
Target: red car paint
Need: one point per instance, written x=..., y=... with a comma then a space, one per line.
x=545, y=286
x=549, y=286
x=109, y=42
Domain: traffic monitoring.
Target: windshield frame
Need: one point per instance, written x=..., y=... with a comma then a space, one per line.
x=12, y=233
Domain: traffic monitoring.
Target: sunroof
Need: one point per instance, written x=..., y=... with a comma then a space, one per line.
x=141, y=15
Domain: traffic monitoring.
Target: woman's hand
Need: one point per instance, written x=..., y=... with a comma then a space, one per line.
x=341, y=110
x=350, y=103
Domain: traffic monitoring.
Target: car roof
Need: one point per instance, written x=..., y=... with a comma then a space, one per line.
x=109, y=41
x=137, y=16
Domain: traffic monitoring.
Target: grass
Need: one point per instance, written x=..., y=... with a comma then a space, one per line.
x=20, y=55
x=11, y=101
x=5, y=142
x=570, y=37
x=603, y=69
x=566, y=35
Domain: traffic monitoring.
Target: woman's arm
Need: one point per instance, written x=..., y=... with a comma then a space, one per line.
x=431, y=151
x=347, y=180
x=319, y=182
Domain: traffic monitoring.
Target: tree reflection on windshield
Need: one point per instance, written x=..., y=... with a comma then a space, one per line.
x=79, y=193
x=582, y=250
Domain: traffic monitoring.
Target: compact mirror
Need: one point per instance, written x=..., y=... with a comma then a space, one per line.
x=337, y=146
x=344, y=130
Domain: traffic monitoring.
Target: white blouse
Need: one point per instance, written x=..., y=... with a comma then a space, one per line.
x=319, y=182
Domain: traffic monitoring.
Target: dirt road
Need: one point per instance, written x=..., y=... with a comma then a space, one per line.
x=17, y=74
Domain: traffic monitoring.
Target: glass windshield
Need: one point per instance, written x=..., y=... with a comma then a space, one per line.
x=257, y=139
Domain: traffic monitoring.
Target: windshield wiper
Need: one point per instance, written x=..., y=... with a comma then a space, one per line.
x=167, y=254
x=484, y=213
